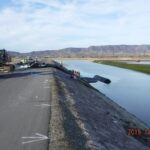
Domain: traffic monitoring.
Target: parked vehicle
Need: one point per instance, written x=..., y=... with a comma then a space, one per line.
x=5, y=62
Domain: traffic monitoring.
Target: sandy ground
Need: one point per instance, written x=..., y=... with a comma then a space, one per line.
x=82, y=118
x=125, y=58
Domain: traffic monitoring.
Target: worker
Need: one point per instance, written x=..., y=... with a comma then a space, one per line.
x=75, y=74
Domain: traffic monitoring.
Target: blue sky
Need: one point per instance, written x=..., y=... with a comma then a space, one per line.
x=28, y=25
x=5, y=3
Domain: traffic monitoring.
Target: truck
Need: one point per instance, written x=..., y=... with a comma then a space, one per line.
x=5, y=62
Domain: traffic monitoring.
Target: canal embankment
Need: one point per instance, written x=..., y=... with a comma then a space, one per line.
x=84, y=118
x=144, y=68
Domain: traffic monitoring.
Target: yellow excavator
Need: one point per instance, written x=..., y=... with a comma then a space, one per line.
x=5, y=62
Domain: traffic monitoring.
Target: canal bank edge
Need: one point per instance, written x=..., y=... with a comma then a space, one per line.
x=88, y=119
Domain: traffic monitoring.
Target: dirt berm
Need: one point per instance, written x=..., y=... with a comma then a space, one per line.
x=85, y=119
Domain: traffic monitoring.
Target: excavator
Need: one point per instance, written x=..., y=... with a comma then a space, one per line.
x=5, y=62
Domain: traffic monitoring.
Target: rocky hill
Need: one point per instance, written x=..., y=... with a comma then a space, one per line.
x=92, y=51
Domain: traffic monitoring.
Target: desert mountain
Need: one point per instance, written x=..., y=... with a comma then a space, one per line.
x=92, y=51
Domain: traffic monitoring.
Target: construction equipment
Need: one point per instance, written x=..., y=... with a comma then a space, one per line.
x=5, y=62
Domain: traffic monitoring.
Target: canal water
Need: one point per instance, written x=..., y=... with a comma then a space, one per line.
x=138, y=62
x=128, y=88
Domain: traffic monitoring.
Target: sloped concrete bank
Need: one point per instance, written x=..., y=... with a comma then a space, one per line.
x=83, y=118
x=84, y=80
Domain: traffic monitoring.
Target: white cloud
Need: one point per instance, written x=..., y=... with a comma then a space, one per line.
x=53, y=24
